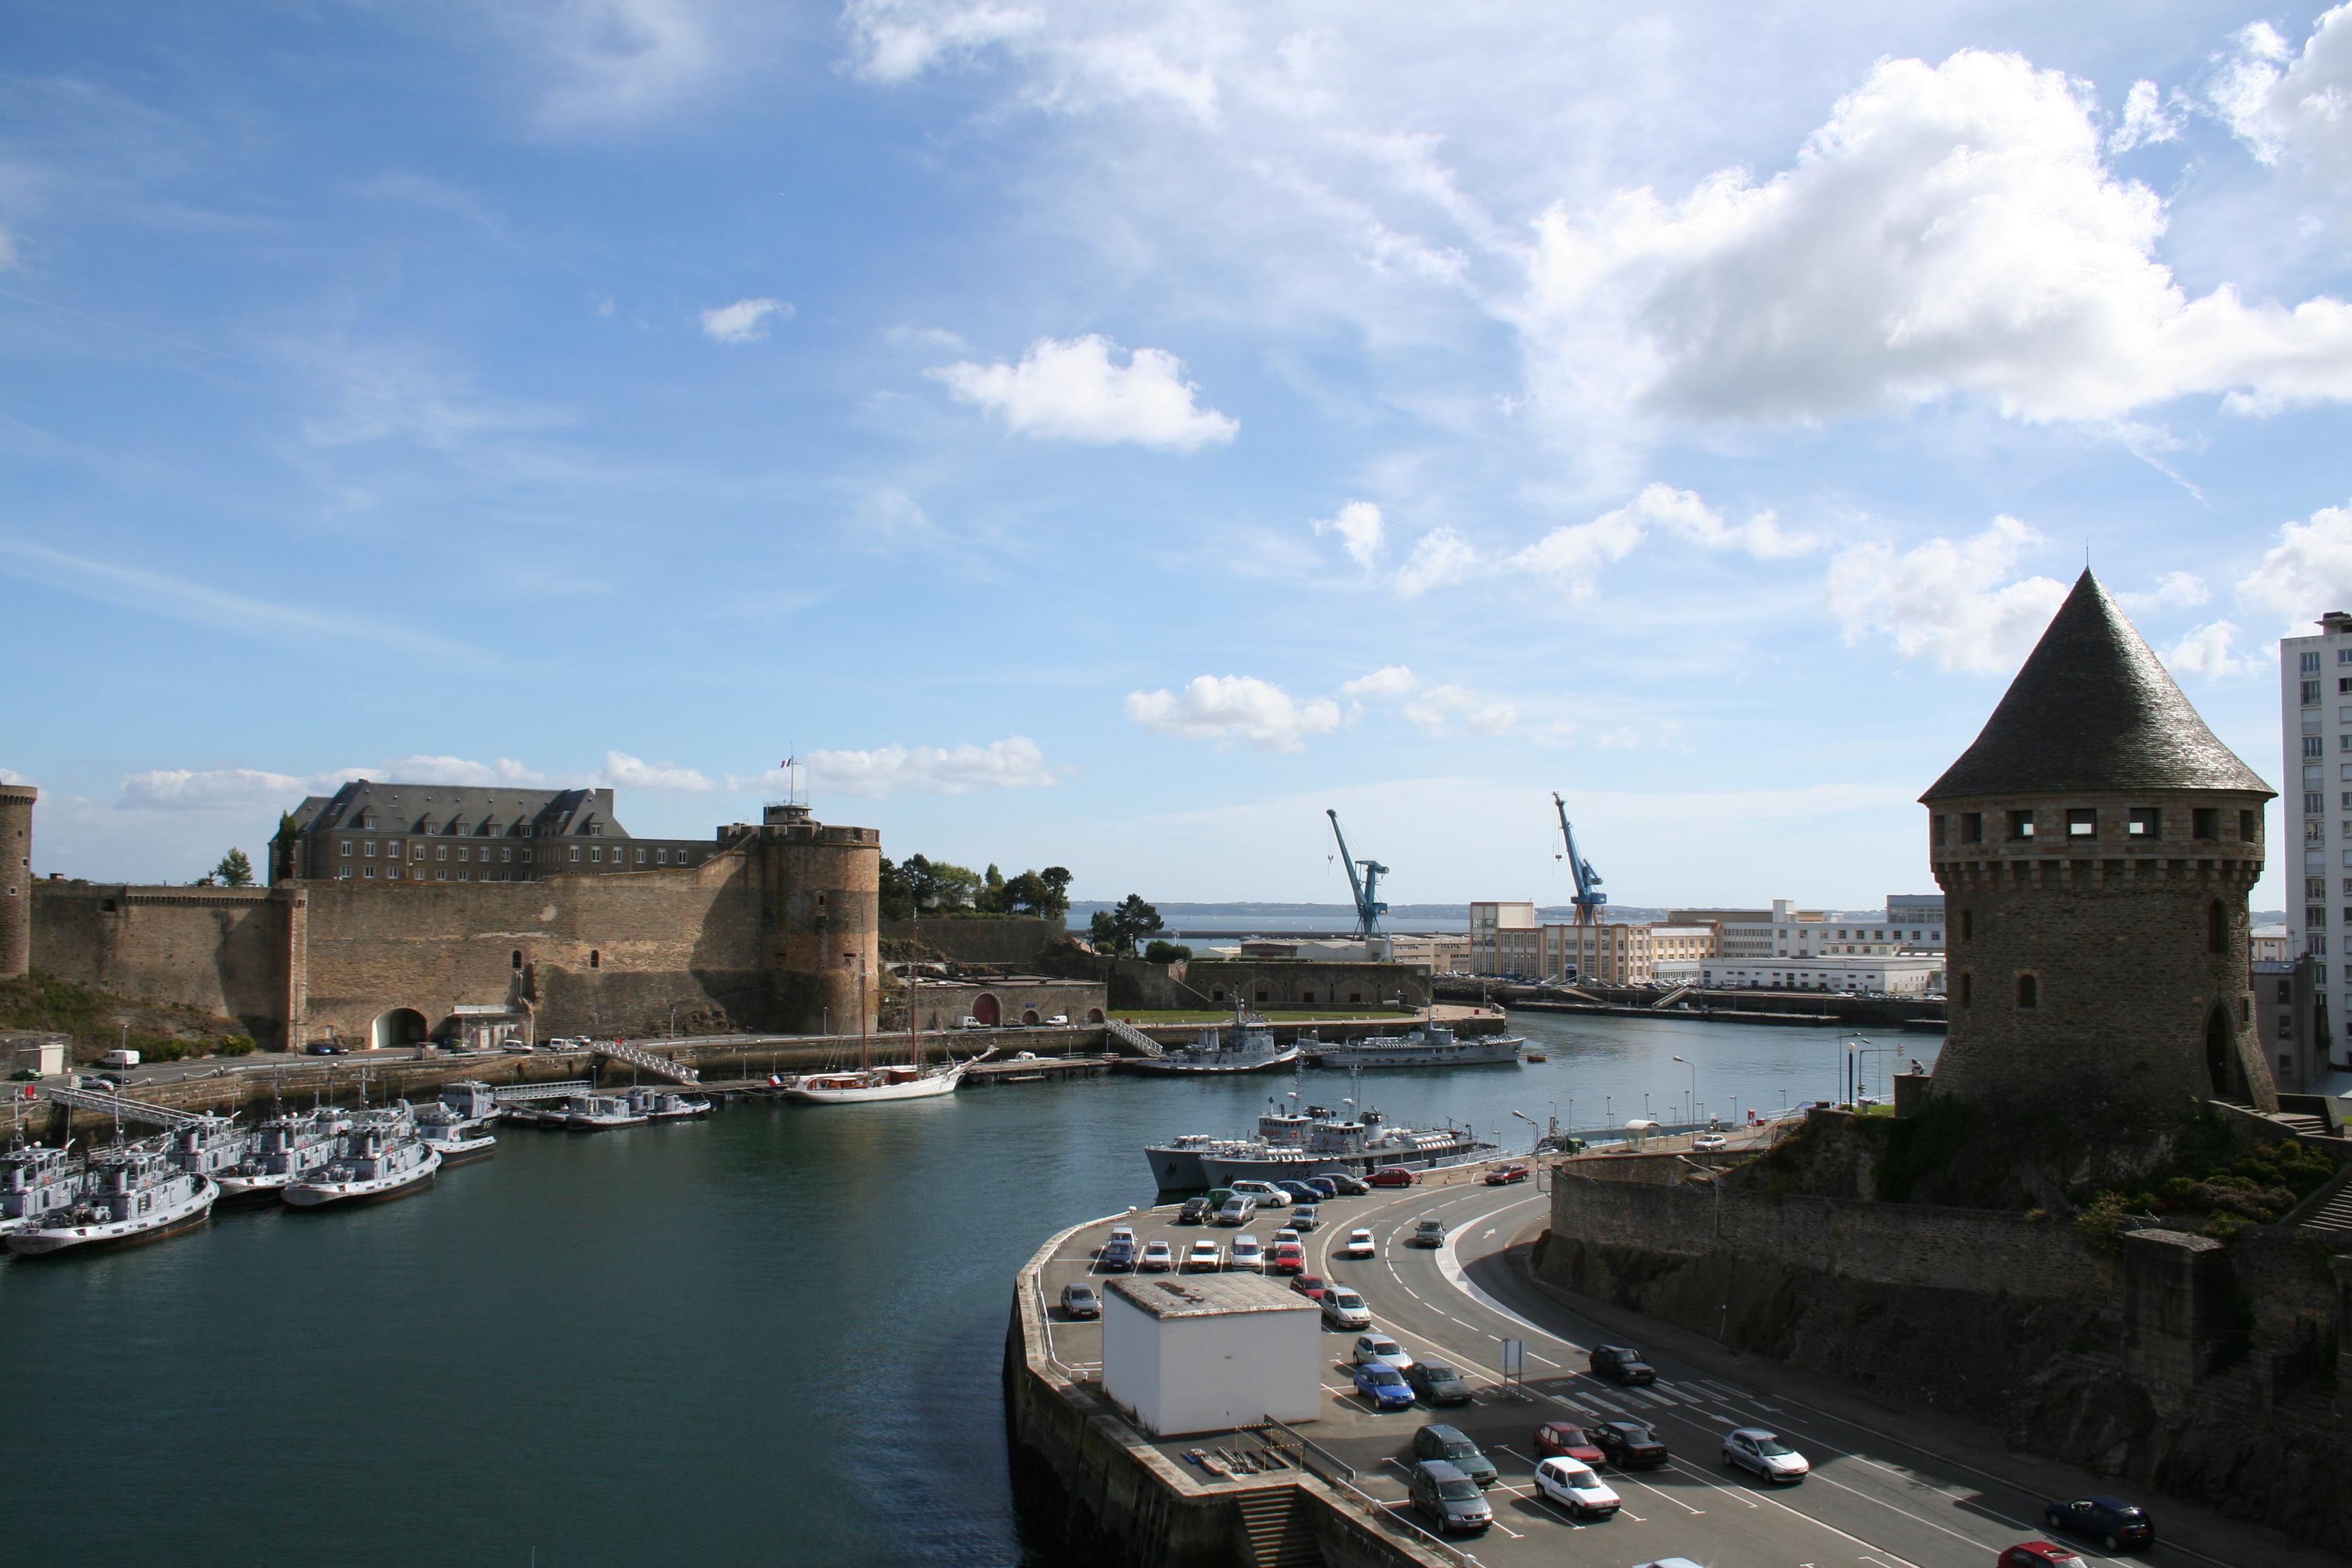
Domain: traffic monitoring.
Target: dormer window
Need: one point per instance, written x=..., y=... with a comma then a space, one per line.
x=2144, y=823
x=2021, y=826
x=2082, y=822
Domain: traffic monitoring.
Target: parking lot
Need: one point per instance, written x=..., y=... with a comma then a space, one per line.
x=1888, y=1488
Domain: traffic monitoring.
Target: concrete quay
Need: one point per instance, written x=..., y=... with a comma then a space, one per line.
x=1892, y=1485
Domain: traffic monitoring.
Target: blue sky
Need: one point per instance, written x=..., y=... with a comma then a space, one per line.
x=1107, y=435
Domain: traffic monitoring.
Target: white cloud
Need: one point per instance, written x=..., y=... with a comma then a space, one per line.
x=1950, y=231
x=1956, y=602
x=1014, y=763
x=9, y=776
x=1440, y=559
x=1389, y=680
x=1572, y=555
x=744, y=321
x=623, y=770
x=2306, y=573
x=1362, y=533
x=2285, y=105
x=2209, y=651
x=446, y=770
x=1074, y=391
x=618, y=60
x=894, y=40
x=213, y=789
x=1440, y=709
x=2173, y=591
x=1225, y=708
x=2146, y=120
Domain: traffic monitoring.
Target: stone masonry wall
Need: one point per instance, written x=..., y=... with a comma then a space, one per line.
x=220, y=949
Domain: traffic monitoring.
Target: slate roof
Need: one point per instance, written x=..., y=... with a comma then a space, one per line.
x=2093, y=710
x=405, y=807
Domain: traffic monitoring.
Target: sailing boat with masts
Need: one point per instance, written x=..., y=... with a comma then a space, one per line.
x=910, y=1079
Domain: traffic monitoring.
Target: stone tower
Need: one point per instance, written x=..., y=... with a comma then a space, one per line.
x=17, y=879
x=824, y=920
x=2096, y=848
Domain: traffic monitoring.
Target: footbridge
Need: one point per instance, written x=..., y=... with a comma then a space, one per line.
x=1133, y=1038
x=645, y=1061
x=526, y=1093
x=139, y=1111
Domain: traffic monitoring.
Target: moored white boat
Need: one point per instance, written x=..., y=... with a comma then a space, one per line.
x=1247, y=1045
x=284, y=1150
x=130, y=1194
x=902, y=1081
x=36, y=1181
x=1430, y=1046
x=668, y=1104
x=456, y=1138
x=382, y=1157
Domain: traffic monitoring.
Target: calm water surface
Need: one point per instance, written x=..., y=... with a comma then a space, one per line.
x=772, y=1338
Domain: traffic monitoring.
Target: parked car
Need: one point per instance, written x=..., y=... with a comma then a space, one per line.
x=1079, y=1300
x=1059, y=1019
x=1620, y=1363
x=1428, y=1232
x=1287, y=1258
x=1383, y=1387
x=1439, y=1441
x=1572, y=1484
x=1246, y=1254
x=524, y=1049
x=1286, y=1233
x=1311, y=1286
x=2118, y=1525
x=1118, y=1252
x=1507, y=1175
x=1194, y=1211
x=324, y=1048
x=1158, y=1257
x=1204, y=1257
x=1394, y=1176
x=1380, y=1348
x=1327, y=1186
x=1360, y=1244
x=2039, y=1554
x=1267, y=1195
x=1343, y=1308
x=1306, y=1216
x=119, y=1058
x=25, y=1075
x=1708, y=1142
x=1567, y=1440
x=968, y=1022
x=1300, y=1193
x=1218, y=1198
x=1237, y=1210
x=1629, y=1444
x=1349, y=1186
x=1437, y=1383
x=1448, y=1498
x=113, y=1082
x=1754, y=1449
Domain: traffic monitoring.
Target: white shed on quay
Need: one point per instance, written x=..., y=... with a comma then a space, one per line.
x=1208, y=1353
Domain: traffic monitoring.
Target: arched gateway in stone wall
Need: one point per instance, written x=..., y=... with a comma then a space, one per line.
x=2096, y=848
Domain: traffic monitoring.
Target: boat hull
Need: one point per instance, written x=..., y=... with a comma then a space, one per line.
x=1275, y=1164
x=1283, y=1058
x=35, y=1242
x=928, y=1087
x=380, y=1189
x=465, y=1151
x=1485, y=1050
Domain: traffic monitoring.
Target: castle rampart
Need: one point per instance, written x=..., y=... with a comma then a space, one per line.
x=16, y=879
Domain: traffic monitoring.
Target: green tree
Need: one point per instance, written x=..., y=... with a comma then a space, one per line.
x=1119, y=929
x=897, y=894
x=1056, y=901
x=1166, y=951
x=234, y=871
x=993, y=898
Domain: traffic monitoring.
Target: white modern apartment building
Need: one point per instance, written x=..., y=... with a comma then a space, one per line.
x=1911, y=923
x=2316, y=703
x=1893, y=974
x=1502, y=938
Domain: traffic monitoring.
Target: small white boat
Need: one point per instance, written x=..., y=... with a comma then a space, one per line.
x=382, y=1157
x=129, y=1195
x=36, y=1181
x=910, y=1079
x=1247, y=1047
x=456, y=1138
x=285, y=1148
x=596, y=1113
x=668, y=1104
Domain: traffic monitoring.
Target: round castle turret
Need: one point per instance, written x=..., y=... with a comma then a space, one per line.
x=17, y=879
x=2096, y=848
x=825, y=919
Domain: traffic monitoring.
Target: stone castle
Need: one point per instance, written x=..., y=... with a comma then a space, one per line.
x=766, y=926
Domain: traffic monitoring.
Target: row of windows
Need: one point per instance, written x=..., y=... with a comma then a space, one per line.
x=2309, y=664
x=465, y=874
x=391, y=850
x=2083, y=822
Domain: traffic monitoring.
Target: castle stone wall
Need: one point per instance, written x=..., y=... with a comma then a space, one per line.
x=223, y=949
x=16, y=879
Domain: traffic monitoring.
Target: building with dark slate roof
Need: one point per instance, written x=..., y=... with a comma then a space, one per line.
x=400, y=835
x=2096, y=846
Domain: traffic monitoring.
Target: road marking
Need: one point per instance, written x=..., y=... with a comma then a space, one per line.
x=1668, y=1495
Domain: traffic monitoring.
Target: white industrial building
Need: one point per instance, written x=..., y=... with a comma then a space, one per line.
x=2316, y=697
x=1209, y=1352
x=1891, y=974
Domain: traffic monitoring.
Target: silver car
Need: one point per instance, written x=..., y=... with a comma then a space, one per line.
x=1343, y=1308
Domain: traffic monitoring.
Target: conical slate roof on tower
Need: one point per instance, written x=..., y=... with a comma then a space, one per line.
x=2093, y=710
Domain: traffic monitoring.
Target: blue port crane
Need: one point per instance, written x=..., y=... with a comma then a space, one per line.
x=1589, y=896
x=1367, y=888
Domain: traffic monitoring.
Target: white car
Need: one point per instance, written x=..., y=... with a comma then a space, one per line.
x=1203, y=1257
x=1247, y=1254
x=1572, y=1484
x=1754, y=1449
x=1360, y=1244
x=1708, y=1143
x=1059, y=1019
x=1158, y=1257
x=1343, y=1308
x=1382, y=1348
x=1267, y=1195
x=1286, y=1234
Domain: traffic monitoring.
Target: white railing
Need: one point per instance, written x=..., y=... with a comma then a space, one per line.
x=645, y=1061
x=128, y=1110
x=1119, y=1029
x=522, y=1093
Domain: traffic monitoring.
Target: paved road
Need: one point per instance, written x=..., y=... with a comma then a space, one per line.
x=1888, y=1489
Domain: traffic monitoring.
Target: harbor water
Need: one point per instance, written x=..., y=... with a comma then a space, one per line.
x=772, y=1337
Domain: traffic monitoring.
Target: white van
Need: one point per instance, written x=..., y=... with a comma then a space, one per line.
x=1266, y=1194
x=120, y=1059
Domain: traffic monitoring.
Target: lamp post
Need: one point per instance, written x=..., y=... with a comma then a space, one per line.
x=1694, y=1087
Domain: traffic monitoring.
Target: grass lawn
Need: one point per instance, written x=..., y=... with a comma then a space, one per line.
x=1271, y=1015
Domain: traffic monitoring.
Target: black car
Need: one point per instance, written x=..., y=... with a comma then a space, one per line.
x=2118, y=1525
x=1621, y=1363
x=1438, y=1384
x=1629, y=1444
x=1450, y=1444
x=1194, y=1211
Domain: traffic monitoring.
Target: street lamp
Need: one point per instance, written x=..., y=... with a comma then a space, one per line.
x=1693, y=1086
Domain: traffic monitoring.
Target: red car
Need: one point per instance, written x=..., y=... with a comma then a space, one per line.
x=1506, y=1176
x=1394, y=1176
x=1566, y=1439
x=1311, y=1286
x=1289, y=1257
x=2039, y=1554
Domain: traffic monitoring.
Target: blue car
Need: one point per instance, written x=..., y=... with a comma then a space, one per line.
x=1304, y=1191
x=1383, y=1387
x=1324, y=1185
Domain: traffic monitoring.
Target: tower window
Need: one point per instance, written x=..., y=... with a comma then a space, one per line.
x=2021, y=825
x=1968, y=990
x=2146, y=822
x=595, y=959
x=2029, y=991
x=2207, y=822
x=1967, y=925
x=2215, y=925
x=2250, y=825
x=1973, y=827
x=2082, y=822
x=518, y=958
